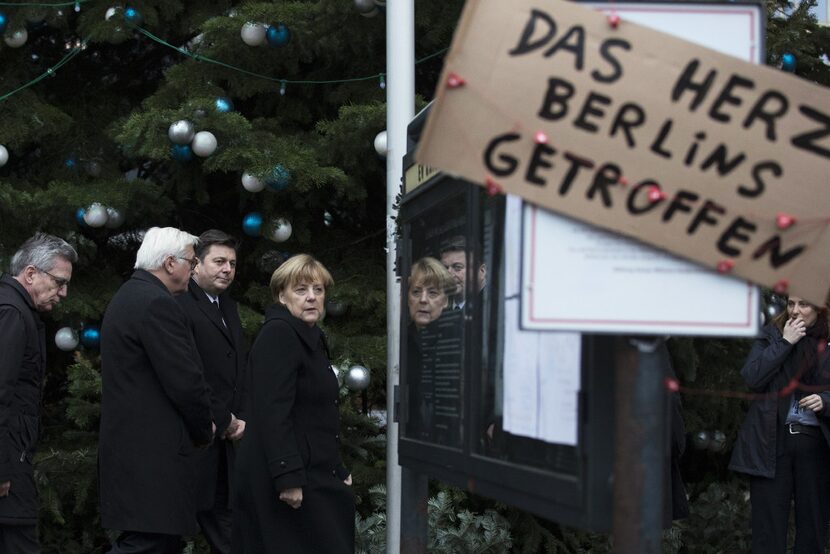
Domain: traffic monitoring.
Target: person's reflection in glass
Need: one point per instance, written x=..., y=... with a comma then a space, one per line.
x=428, y=290
x=457, y=258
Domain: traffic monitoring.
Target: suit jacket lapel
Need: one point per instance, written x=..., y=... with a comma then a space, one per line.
x=210, y=310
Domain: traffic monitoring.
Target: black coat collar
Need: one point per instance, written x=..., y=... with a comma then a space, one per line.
x=311, y=335
x=15, y=284
x=144, y=275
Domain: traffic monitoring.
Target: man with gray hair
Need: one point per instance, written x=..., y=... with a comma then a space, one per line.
x=38, y=279
x=155, y=405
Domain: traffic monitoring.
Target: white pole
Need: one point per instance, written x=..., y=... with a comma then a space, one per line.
x=400, y=108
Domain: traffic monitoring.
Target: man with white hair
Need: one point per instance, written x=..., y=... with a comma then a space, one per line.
x=38, y=279
x=155, y=405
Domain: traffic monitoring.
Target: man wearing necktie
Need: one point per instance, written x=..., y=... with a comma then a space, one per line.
x=456, y=258
x=214, y=320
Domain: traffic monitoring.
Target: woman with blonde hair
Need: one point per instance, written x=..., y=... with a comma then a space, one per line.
x=293, y=493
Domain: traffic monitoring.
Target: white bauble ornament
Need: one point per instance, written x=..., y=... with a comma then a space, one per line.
x=66, y=339
x=251, y=183
x=253, y=34
x=96, y=215
x=204, y=144
x=380, y=144
x=364, y=6
x=17, y=38
x=109, y=13
x=281, y=230
x=357, y=378
x=181, y=132
x=115, y=218
x=4, y=155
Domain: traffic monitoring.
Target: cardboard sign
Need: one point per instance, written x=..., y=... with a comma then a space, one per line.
x=702, y=154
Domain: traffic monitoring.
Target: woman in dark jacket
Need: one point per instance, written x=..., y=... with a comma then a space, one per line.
x=293, y=492
x=783, y=442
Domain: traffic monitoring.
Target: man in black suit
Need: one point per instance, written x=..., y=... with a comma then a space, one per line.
x=155, y=405
x=456, y=258
x=38, y=279
x=214, y=321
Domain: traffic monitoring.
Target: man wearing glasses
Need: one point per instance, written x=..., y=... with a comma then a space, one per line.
x=38, y=279
x=155, y=404
x=214, y=321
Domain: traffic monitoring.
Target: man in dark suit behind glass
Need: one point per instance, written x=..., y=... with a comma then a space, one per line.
x=214, y=321
x=155, y=405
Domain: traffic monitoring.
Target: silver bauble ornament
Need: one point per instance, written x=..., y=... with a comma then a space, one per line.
x=96, y=215
x=253, y=34
x=371, y=13
x=380, y=144
x=701, y=440
x=251, y=183
x=280, y=230
x=181, y=132
x=357, y=378
x=115, y=218
x=718, y=441
x=4, y=155
x=336, y=308
x=92, y=168
x=204, y=144
x=363, y=6
x=66, y=339
x=17, y=38
x=109, y=13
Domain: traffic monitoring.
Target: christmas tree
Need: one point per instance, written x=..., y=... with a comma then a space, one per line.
x=257, y=118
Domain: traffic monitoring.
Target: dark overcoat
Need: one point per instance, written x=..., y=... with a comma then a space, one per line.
x=22, y=365
x=223, y=353
x=770, y=366
x=292, y=440
x=155, y=406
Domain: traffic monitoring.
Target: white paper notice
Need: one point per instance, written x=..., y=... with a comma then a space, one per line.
x=542, y=369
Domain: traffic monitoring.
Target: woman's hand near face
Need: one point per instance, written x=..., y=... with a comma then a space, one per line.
x=292, y=497
x=794, y=330
x=812, y=402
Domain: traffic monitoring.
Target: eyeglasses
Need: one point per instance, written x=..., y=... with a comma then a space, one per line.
x=60, y=282
x=194, y=261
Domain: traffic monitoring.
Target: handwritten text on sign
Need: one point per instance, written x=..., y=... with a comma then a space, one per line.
x=710, y=157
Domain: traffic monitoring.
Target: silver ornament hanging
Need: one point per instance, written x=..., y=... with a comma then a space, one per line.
x=110, y=13
x=204, y=144
x=251, y=183
x=115, y=218
x=92, y=168
x=17, y=38
x=96, y=215
x=181, y=132
x=701, y=440
x=357, y=378
x=280, y=230
x=380, y=144
x=4, y=155
x=364, y=6
x=253, y=34
x=66, y=339
x=718, y=441
x=336, y=308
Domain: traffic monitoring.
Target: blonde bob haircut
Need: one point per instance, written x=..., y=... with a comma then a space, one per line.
x=300, y=268
x=429, y=272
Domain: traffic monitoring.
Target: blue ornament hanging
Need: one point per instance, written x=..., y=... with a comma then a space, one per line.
x=133, y=16
x=70, y=163
x=252, y=224
x=3, y=22
x=223, y=104
x=278, y=35
x=279, y=178
x=788, y=62
x=181, y=152
x=91, y=337
x=79, y=217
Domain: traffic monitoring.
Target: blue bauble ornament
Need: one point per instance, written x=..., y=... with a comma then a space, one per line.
x=252, y=224
x=278, y=35
x=279, y=178
x=91, y=337
x=181, y=152
x=788, y=62
x=223, y=104
x=133, y=16
x=70, y=163
x=3, y=22
x=79, y=217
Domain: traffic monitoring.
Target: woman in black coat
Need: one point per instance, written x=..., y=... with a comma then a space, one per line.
x=784, y=442
x=293, y=492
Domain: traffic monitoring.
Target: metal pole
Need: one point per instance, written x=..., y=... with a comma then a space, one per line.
x=640, y=451
x=400, y=108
